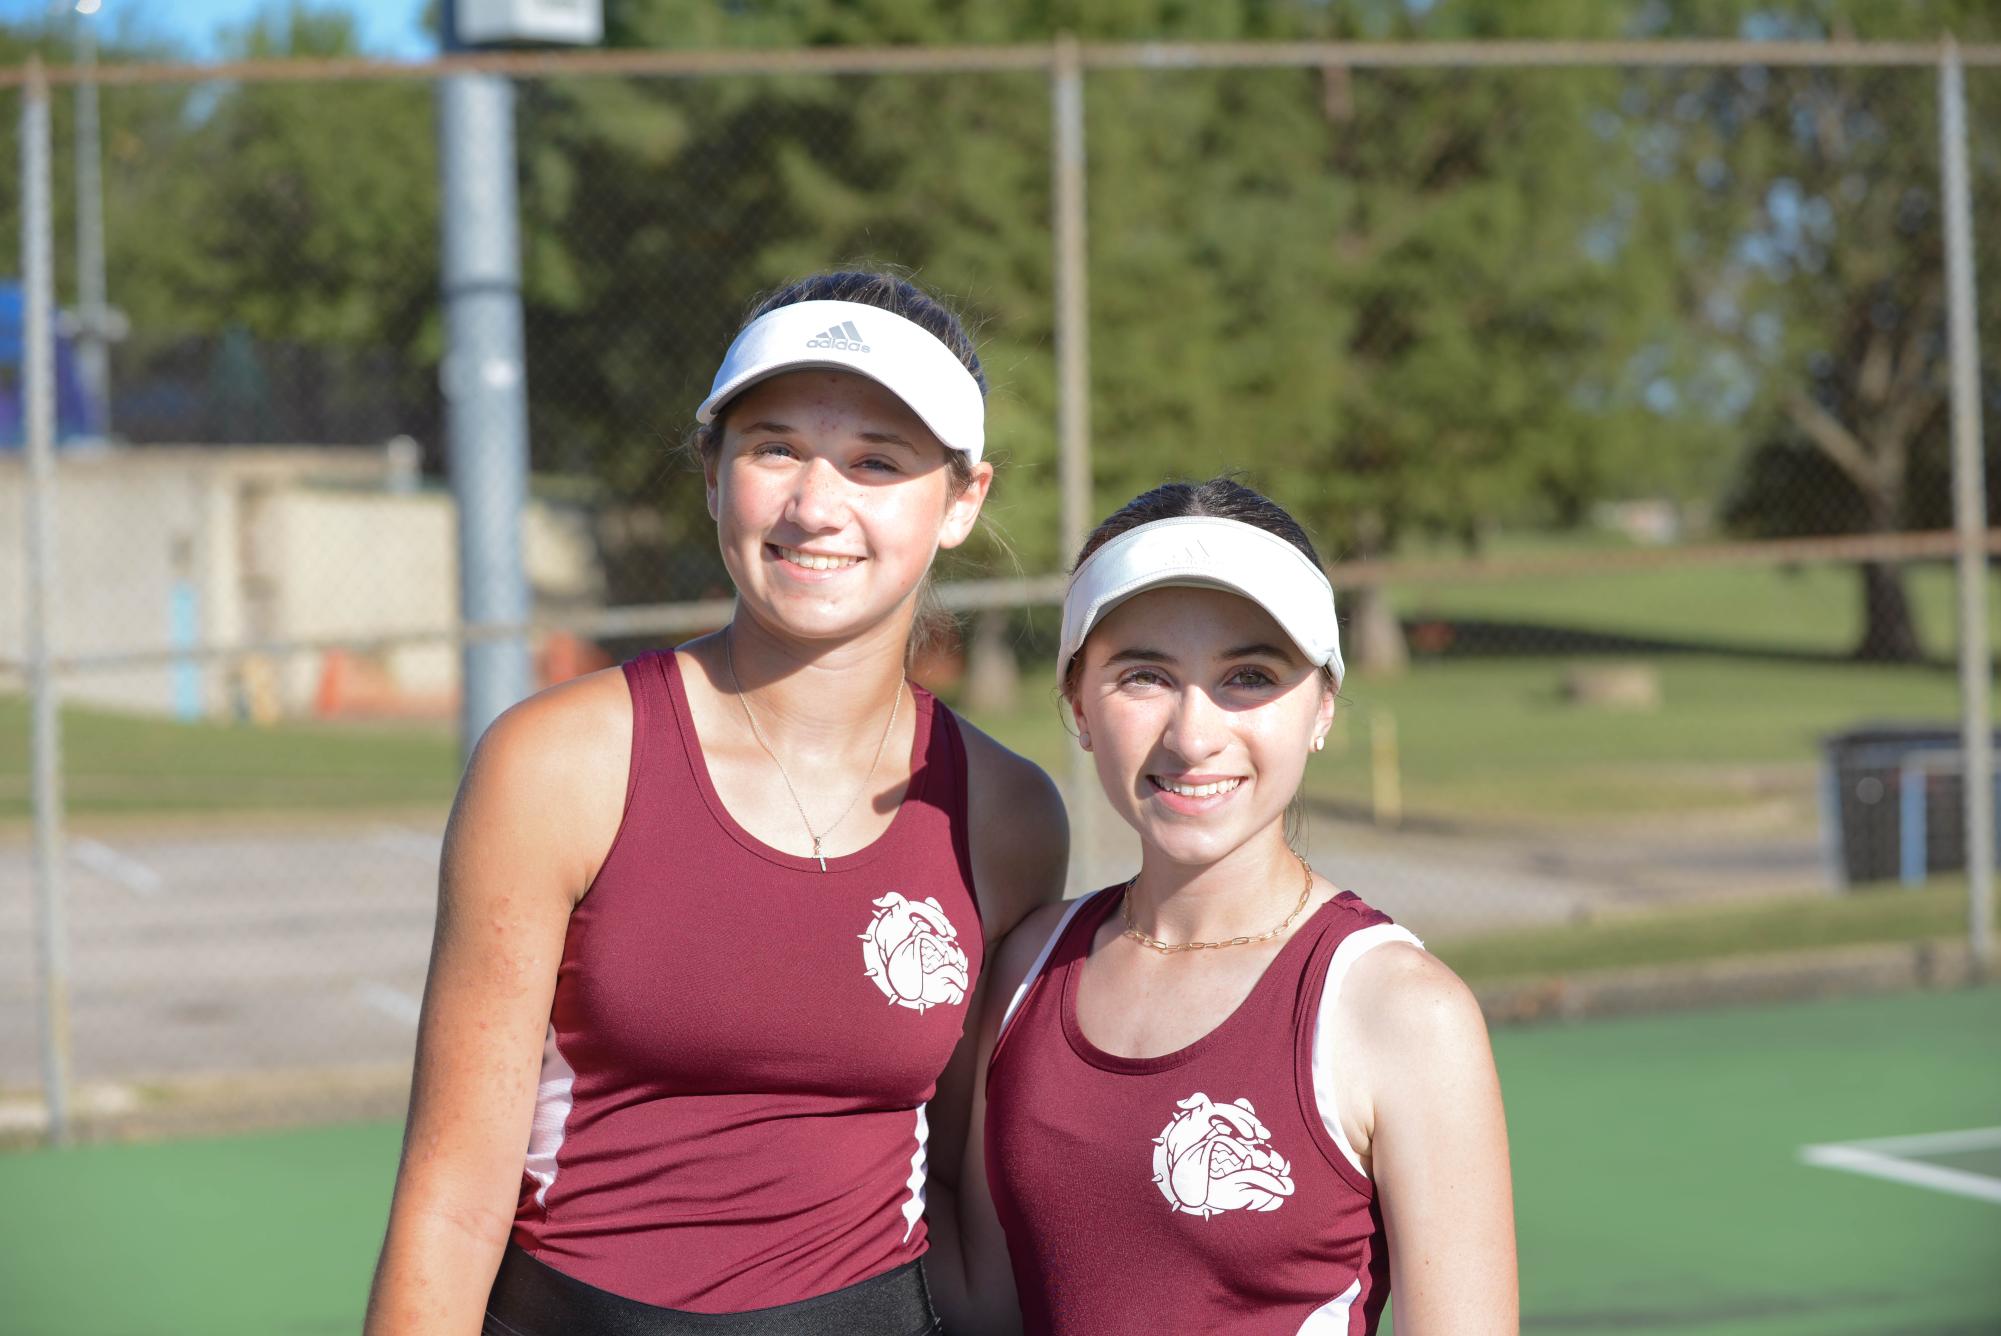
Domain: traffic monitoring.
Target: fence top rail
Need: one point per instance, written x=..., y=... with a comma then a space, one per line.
x=1029, y=56
x=974, y=595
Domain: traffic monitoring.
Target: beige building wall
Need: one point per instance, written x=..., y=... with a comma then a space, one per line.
x=356, y=565
x=164, y=547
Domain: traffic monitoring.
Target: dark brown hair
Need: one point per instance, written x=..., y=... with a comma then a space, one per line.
x=892, y=293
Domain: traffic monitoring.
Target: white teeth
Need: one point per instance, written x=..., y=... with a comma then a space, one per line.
x=1199, y=790
x=816, y=563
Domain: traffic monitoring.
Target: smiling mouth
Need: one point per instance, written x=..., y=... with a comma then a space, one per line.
x=1209, y=790
x=814, y=561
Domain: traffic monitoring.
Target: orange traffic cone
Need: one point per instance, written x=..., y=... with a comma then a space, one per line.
x=336, y=674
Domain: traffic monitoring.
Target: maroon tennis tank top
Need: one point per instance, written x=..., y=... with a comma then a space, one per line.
x=731, y=1112
x=1196, y=1191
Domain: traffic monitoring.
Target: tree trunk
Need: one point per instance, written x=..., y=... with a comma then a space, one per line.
x=1375, y=639
x=1889, y=632
x=993, y=679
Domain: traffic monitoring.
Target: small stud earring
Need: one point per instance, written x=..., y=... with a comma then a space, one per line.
x=1319, y=743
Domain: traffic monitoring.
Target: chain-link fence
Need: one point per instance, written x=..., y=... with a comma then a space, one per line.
x=1615, y=388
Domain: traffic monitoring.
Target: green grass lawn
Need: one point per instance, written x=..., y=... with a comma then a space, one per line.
x=1488, y=738
x=116, y=763
x=1494, y=738
x=1658, y=1188
x=1815, y=609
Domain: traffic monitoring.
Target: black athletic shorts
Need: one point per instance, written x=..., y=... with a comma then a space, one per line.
x=532, y=1298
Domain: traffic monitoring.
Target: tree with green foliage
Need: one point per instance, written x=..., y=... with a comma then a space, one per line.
x=1804, y=208
x=1407, y=302
x=1366, y=288
x=281, y=214
x=240, y=217
x=1371, y=289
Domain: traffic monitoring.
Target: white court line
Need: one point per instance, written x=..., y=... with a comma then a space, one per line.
x=1932, y=1143
x=1874, y=1158
x=391, y=1002
x=108, y=863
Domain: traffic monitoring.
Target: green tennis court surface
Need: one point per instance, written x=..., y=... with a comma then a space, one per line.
x=1670, y=1177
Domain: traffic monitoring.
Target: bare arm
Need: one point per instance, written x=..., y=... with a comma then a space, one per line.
x=1021, y=846
x=1427, y=1117
x=536, y=811
x=971, y=1276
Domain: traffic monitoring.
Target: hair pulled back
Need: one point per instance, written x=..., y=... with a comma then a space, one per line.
x=1222, y=497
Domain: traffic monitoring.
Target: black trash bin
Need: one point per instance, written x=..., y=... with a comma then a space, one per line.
x=1863, y=778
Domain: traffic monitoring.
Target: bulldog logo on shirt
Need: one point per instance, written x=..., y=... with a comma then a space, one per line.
x=912, y=952
x=1217, y=1157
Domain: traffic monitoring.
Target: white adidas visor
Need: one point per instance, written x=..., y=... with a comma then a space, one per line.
x=900, y=355
x=1206, y=552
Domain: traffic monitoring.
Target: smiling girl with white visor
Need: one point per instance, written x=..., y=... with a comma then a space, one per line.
x=1225, y=1096
x=711, y=923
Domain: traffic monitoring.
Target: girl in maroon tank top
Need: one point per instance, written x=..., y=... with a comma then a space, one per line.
x=1224, y=1097
x=708, y=929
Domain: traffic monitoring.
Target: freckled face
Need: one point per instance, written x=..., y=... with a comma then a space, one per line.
x=831, y=498
x=1200, y=713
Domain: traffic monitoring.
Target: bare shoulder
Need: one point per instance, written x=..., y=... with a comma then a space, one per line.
x=1008, y=781
x=1009, y=966
x=1017, y=954
x=1404, y=999
x=1020, y=831
x=564, y=743
x=552, y=772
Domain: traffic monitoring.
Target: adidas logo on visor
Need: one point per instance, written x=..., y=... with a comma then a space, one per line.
x=843, y=337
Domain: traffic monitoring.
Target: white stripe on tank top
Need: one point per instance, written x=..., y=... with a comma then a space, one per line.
x=1352, y=948
x=552, y=1115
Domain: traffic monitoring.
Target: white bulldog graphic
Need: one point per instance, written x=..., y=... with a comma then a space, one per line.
x=912, y=952
x=1217, y=1157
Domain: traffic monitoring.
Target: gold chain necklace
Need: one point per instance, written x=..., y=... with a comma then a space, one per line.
x=1169, y=948
x=729, y=660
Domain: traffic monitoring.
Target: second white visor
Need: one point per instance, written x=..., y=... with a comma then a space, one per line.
x=1207, y=552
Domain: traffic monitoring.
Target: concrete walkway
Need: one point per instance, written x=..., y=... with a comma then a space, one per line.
x=213, y=949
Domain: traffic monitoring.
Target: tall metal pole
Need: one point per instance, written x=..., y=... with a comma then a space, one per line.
x=485, y=384
x=93, y=352
x=1969, y=508
x=38, y=374
x=1073, y=338
x=1073, y=379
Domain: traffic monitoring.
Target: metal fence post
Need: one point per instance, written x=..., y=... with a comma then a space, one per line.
x=485, y=383
x=1073, y=378
x=1073, y=336
x=39, y=409
x=1969, y=497
x=94, y=318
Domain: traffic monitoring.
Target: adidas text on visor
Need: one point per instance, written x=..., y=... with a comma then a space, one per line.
x=1206, y=552
x=900, y=355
